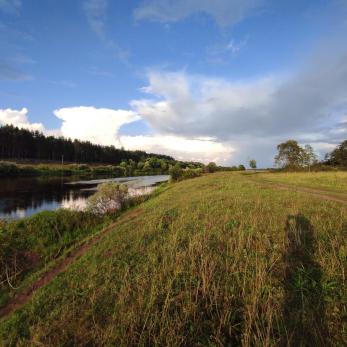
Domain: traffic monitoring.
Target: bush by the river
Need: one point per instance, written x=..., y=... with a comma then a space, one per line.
x=179, y=174
x=110, y=197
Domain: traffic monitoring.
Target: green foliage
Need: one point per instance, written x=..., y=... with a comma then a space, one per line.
x=179, y=174
x=291, y=156
x=8, y=168
x=22, y=144
x=241, y=168
x=338, y=156
x=211, y=167
x=309, y=157
x=110, y=197
x=175, y=172
x=252, y=164
x=191, y=173
x=104, y=170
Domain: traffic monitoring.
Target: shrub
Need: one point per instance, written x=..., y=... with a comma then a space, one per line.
x=178, y=174
x=109, y=198
x=175, y=172
x=191, y=173
x=109, y=169
x=211, y=167
x=8, y=168
x=83, y=167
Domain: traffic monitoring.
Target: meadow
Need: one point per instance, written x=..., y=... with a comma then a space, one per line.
x=331, y=181
x=218, y=260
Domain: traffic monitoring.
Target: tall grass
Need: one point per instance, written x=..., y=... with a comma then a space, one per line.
x=214, y=261
x=335, y=181
x=31, y=243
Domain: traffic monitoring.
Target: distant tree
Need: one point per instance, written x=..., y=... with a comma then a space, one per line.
x=338, y=156
x=309, y=157
x=241, y=167
x=252, y=164
x=211, y=167
x=290, y=154
x=109, y=197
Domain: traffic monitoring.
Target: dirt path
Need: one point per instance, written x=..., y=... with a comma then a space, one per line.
x=322, y=194
x=23, y=297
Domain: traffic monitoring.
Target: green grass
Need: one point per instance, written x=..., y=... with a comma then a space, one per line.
x=212, y=261
x=335, y=181
x=31, y=244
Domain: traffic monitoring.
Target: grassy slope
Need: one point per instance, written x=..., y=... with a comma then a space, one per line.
x=30, y=245
x=329, y=181
x=211, y=261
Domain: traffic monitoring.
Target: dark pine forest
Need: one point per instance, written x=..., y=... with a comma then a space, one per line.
x=22, y=144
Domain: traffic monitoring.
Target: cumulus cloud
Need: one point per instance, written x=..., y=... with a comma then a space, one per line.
x=19, y=118
x=272, y=105
x=98, y=125
x=202, y=106
x=185, y=149
x=218, y=119
x=224, y=12
x=252, y=116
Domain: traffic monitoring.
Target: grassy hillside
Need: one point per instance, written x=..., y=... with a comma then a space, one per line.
x=213, y=261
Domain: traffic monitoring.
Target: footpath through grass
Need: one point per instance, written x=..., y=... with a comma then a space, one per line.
x=331, y=181
x=212, y=261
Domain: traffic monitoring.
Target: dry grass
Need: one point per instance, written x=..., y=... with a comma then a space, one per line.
x=214, y=261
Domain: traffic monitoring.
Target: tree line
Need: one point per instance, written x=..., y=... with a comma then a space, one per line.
x=293, y=156
x=23, y=144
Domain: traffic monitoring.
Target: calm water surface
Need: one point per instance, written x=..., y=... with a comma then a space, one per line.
x=23, y=197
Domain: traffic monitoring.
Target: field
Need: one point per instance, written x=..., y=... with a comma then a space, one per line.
x=330, y=181
x=226, y=259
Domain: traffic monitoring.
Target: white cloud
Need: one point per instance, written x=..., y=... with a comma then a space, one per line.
x=224, y=12
x=185, y=149
x=191, y=105
x=98, y=125
x=201, y=106
x=19, y=118
x=252, y=116
x=10, y=6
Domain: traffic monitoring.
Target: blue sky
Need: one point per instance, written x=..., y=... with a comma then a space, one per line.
x=222, y=80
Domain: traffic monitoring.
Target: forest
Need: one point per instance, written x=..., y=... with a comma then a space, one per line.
x=22, y=144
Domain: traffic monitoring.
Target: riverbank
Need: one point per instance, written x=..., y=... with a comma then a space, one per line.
x=13, y=169
x=220, y=259
x=21, y=197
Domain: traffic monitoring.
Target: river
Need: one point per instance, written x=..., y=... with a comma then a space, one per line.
x=23, y=197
